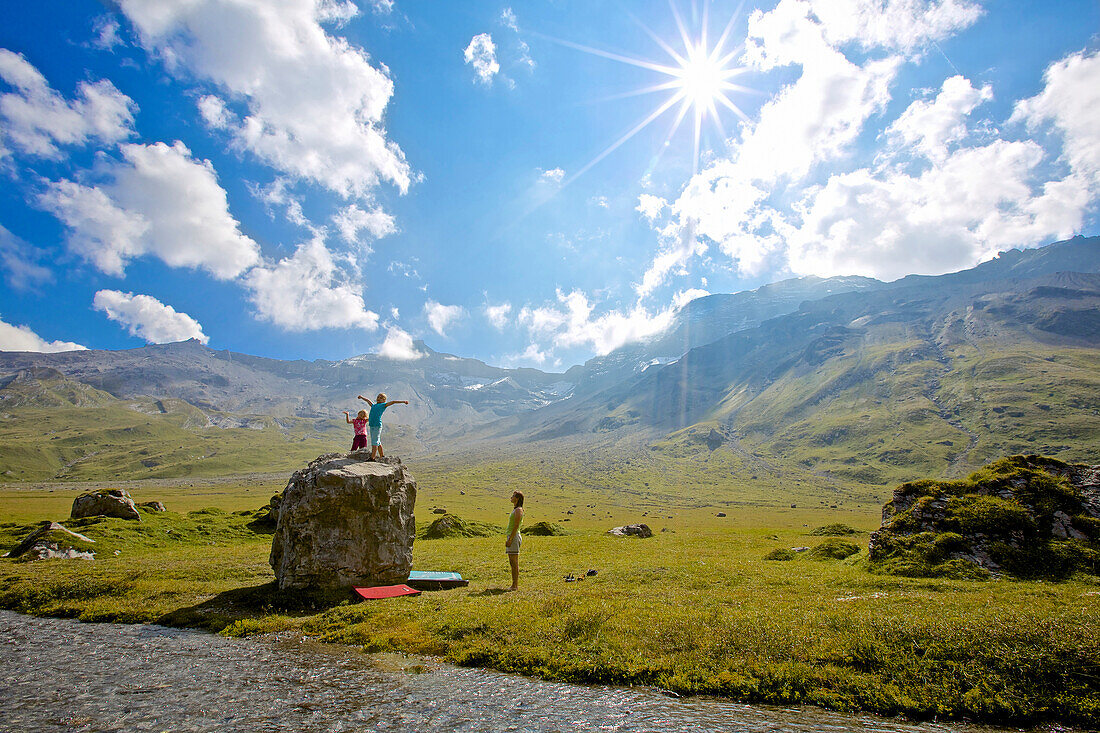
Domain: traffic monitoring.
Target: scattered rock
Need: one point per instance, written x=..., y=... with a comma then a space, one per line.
x=780, y=553
x=543, y=529
x=721, y=514
x=834, y=548
x=632, y=530
x=451, y=525
x=345, y=521
x=1026, y=516
x=834, y=530
x=799, y=549
x=51, y=540
x=439, y=511
x=151, y=507
x=105, y=503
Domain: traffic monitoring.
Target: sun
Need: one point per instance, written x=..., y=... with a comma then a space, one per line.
x=696, y=77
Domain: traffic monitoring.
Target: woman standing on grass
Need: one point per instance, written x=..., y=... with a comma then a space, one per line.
x=513, y=539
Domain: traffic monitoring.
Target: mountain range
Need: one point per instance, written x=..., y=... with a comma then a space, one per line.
x=848, y=379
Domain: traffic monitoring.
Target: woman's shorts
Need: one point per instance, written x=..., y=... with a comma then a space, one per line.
x=513, y=549
x=376, y=435
x=359, y=441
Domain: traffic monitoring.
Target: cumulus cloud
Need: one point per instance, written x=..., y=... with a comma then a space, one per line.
x=949, y=191
x=683, y=297
x=553, y=176
x=146, y=317
x=312, y=103
x=440, y=316
x=22, y=338
x=571, y=323
x=399, y=345
x=650, y=206
x=37, y=120
x=497, y=315
x=278, y=194
x=352, y=220
x=309, y=291
x=1070, y=100
x=481, y=54
x=531, y=355
x=929, y=127
x=160, y=201
x=20, y=262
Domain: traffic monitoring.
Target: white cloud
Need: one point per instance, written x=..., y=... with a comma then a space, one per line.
x=158, y=201
x=600, y=201
x=929, y=127
x=146, y=317
x=20, y=262
x=313, y=104
x=481, y=54
x=440, y=316
x=571, y=323
x=498, y=315
x=277, y=193
x=899, y=25
x=351, y=220
x=508, y=18
x=107, y=32
x=554, y=175
x=679, y=246
x=650, y=206
x=1071, y=101
x=22, y=338
x=887, y=223
x=399, y=345
x=683, y=297
x=308, y=291
x=382, y=7
x=531, y=355
x=36, y=119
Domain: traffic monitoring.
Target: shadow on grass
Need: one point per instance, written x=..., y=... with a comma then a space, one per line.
x=490, y=592
x=250, y=603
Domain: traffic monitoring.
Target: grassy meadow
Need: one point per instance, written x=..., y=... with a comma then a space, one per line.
x=695, y=609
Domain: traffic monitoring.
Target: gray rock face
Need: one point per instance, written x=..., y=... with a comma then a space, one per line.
x=344, y=521
x=632, y=530
x=105, y=503
x=51, y=540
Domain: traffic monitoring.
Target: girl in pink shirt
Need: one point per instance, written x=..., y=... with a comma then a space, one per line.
x=360, y=426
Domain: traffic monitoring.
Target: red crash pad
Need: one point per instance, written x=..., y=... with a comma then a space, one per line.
x=386, y=591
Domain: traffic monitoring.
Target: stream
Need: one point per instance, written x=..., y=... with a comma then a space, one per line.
x=62, y=675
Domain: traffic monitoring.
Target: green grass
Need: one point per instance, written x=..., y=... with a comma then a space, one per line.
x=696, y=609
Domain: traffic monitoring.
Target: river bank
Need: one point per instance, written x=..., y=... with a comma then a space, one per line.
x=695, y=610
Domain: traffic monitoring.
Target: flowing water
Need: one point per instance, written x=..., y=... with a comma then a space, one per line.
x=58, y=675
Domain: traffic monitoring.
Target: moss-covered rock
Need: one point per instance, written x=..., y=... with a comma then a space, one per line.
x=780, y=553
x=834, y=548
x=1026, y=516
x=451, y=525
x=834, y=530
x=544, y=529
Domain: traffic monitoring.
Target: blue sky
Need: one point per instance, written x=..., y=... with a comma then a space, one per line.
x=324, y=178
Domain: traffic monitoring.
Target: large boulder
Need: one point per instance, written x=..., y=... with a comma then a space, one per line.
x=51, y=540
x=105, y=503
x=1024, y=516
x=632, y=530
x=345, y=521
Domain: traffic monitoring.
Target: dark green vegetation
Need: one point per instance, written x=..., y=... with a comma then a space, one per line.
x=697, y=609
x=450, y=525
x=834, y=548
x=1021, y=515
x=838, y=529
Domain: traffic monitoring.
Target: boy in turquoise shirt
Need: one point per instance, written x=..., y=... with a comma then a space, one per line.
x=374, y=422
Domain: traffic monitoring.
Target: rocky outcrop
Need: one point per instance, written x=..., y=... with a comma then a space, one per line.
x=632, y=530
x=345, y=521
x=105, y=503
x=52, y=540
x=1025, y=516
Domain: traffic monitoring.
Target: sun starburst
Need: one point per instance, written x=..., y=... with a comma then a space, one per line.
x=697, y=78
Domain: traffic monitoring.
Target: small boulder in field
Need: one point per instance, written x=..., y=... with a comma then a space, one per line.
x=451, y=525
x=834, y=530
x=151, y=506
x=543, y=529
x=632, y=530
x=51, y=540
x=780, y=553
x=834, y=548
x=105, y=503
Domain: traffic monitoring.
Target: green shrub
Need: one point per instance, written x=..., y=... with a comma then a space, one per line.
x=834, y=549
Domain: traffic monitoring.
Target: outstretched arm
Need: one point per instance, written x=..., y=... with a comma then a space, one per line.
x=397, y=402
x=366, y=400
x=347, y=417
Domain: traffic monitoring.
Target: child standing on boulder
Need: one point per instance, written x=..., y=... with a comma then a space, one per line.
x=374, y=422
x=359, y=424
